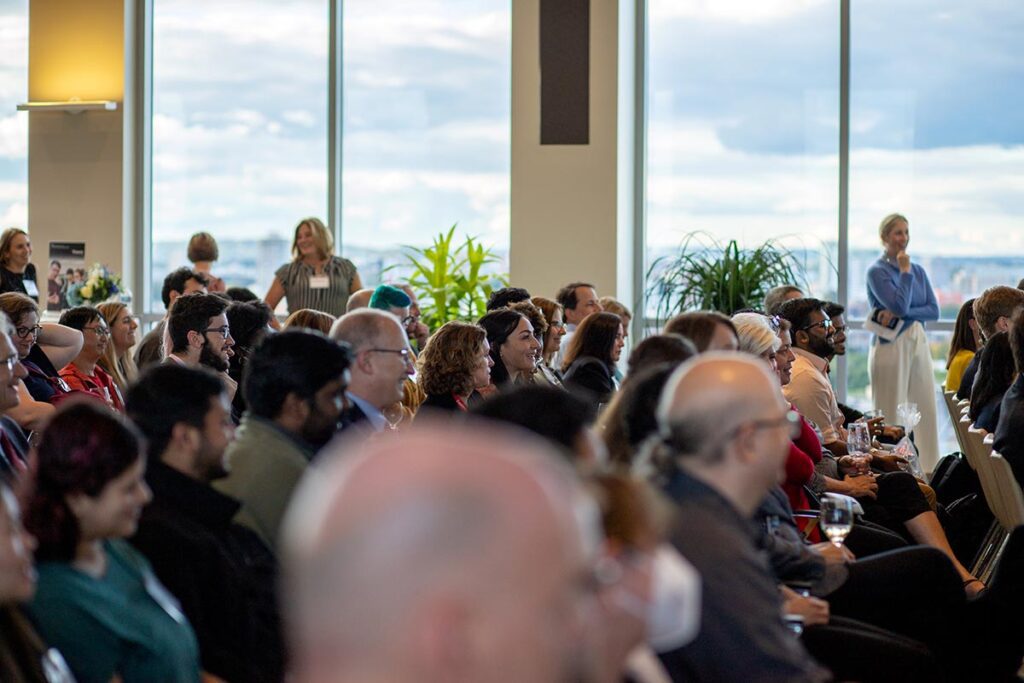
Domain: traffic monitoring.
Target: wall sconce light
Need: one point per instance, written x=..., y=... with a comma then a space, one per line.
x=72, y=106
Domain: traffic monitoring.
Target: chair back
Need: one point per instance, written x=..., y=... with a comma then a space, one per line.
x=1011, y=496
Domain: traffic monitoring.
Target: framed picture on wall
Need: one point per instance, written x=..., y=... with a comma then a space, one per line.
x=65, y=275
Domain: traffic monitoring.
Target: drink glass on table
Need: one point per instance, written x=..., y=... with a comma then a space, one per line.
x=836, y=519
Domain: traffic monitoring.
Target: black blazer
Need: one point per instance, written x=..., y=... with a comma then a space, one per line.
x=591, y=378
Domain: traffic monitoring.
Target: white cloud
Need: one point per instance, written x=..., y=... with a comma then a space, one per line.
x=14, y=136
x=734, y=11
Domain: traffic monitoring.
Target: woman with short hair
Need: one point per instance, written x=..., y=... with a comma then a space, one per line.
x=84, y=372
x=315, y=278
x=203, y=252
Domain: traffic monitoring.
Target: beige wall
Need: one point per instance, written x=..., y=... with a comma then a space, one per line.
x=75, y=178
x=571, y=205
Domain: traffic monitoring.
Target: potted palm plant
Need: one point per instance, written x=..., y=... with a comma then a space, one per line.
x=704, y=274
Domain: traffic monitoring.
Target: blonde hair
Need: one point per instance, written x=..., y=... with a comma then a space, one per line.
x=615, y=306
x=886, y=226
x=121, y=368
x=6, y=237
x=308, y=319
x=321, y=236
x=755, y=334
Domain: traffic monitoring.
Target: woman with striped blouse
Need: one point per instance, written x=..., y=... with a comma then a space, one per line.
x=315, y=278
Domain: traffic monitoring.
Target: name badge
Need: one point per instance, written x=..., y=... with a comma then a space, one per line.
x=319, y=282
x=31, y=289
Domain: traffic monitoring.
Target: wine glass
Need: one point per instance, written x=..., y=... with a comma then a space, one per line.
x=836, y=519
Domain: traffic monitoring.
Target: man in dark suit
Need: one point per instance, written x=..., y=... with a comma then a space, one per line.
x=382, y=361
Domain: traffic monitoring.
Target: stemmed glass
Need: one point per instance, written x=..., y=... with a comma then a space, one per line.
x=836, y=519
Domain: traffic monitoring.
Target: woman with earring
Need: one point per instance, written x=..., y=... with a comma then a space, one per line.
x=901, y=296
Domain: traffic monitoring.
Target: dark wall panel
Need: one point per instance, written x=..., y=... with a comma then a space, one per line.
x=564, y=72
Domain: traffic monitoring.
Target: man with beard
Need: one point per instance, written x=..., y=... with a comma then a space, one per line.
x=294, y=384
x=381, y=363
x=222, y=573
x=809, y=389
x=200, y=335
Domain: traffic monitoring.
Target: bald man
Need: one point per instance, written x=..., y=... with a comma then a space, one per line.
x=359, y=299
x=727, y=430
x=426, y=558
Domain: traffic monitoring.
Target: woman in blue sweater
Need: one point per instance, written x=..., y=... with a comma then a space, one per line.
x=901, y=370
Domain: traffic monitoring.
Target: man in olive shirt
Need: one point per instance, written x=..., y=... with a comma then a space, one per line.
x=728, y=430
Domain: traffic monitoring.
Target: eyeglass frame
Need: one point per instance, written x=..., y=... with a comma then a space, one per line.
x=404, y=353
x=99, y=331
x=10, y=362
x=224, y=331
x=24, y=332
x=825, y=324
x=792, y=418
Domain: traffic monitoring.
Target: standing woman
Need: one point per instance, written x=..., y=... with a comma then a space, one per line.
x=117, y=359
x=315, y=278
x=901, y=370
x=203, y=252
x=16, y=273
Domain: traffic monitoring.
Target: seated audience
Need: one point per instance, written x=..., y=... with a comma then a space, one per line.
x=589, y=361
x=505, y=297
x=962, y=347
x=469, y=513
x=658, y=349
x=578, y=300
x=24, y=657
x=992, y=311
x=97, y=599
x=417, y=331
x=250, y=323
x=540, y=328
x=552, y=310
x=117, y=359
x=727, y=427
x=84, y=372
x=708, y=330
x=308, y=319
x=43, y=349
x=455, y=363
x=629, y=420
x=14, y=446
x=294, y=384
x=178, y=282
x=203, y=253
x=381, y=363
x=996, y=372
x=610, y=305
x=1010, y=427
x=776, y=296
x=514, y=348
x=199, y=334
x=221, y=572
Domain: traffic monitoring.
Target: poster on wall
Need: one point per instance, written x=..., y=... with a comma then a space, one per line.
x=65, y=276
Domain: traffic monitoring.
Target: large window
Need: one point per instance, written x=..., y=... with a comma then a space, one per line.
x=743, y=127
x=426, y=140
x=13, y=125
x=239, y=131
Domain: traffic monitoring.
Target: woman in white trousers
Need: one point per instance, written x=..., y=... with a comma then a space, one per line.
x=901, y=370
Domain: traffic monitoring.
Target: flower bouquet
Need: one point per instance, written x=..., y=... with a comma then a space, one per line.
x=100, y=285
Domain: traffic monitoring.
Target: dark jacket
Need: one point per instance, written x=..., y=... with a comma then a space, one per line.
x=221, y=572
x=1009, y=439
x=151, y=348
x=591, y=378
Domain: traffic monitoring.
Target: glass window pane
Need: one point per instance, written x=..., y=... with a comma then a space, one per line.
x=13, y=125
x=743, y=127
x=936, y=134
x=239, y=131
x=427, y=133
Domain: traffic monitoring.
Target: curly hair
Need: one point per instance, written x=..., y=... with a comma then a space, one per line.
x=534, y=315
x=446, y=363
x=84, y=447
x=307, y=318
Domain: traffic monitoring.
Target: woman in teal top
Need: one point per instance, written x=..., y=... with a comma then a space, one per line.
x=97, y=599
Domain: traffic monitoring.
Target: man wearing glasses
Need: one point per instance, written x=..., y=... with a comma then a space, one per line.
x=809, y=388
x=199, y=333
x=381, y=363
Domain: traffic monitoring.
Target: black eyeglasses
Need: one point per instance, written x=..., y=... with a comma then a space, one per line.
x=224, y=331
x=27, y=331
x=825, y=324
